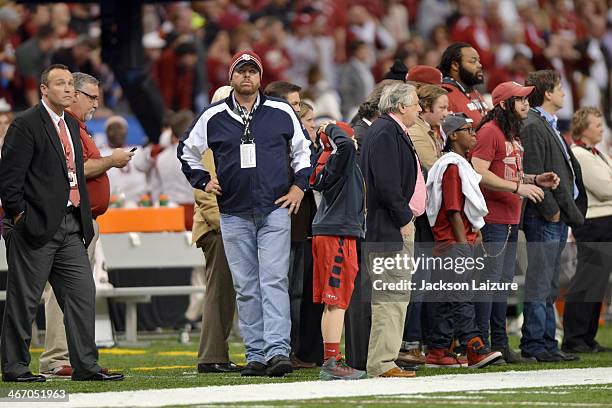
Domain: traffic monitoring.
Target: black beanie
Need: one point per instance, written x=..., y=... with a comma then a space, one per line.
x=397, y=71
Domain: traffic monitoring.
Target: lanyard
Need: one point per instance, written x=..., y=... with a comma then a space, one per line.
x=247, y=135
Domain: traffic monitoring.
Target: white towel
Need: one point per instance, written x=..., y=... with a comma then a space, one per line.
x=475, y=207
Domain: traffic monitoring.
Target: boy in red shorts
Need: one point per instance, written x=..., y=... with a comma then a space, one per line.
x=340, y=219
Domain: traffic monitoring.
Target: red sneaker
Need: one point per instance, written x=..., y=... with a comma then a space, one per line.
x=441, y=358
x=62, y=371
x=479, y=356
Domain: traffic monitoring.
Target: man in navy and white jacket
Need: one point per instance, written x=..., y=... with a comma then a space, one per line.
x=257, y=142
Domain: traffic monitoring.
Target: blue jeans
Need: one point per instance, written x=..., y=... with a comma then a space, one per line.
x=545, y=242
x=500, y=266
x=257, y=249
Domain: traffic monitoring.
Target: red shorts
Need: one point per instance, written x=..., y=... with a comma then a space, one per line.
x=335, y=269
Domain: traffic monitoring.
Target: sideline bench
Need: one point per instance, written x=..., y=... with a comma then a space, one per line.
x=132, y=296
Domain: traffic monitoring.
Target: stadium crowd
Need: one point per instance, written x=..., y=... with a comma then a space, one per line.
x=458, y=123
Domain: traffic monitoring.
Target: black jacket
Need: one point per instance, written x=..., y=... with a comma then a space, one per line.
x=544, y=152
x=361, y=128
x=388, y=163
x=34, y=177
x=342, y=208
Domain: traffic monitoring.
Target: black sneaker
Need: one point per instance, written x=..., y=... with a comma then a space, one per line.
x=580, y=348
x=278, y=366
x=254, y=369
x=565, y=357
x=598, y=348
x=543, y=357
x=509, y=356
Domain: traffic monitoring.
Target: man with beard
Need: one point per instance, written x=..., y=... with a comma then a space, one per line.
x=462, y=70
x=254, y=138
x=54, y=360
x=498, y=158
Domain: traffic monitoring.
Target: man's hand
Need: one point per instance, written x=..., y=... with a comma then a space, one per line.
x=292, y=199
x=555, y=218
x=121, y=158
x=407, y=230
x=478, y=238
x=547, y=180
x=531, y=191
x=213, y=187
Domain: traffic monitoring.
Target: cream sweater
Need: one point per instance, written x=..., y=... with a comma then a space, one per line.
x=597, y=179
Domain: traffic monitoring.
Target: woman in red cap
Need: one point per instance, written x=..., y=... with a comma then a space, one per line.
x=498, y=158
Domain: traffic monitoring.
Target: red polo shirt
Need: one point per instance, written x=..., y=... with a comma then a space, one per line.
x=98, y=188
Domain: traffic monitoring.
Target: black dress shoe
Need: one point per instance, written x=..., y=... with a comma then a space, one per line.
x=219, y=368
x=104, y=377
x=565, y=357
x=278, y=366
x=254, y=369
x=25, y=377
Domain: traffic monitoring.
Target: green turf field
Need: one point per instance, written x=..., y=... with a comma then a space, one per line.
x=169, y=364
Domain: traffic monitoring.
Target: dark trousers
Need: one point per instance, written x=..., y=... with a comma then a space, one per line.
x=500, y=265
x=358, y=318
x=452, y=312
x=587, y=287
x=219, y=302
x=306, y=337
x=63, y=262
x=545, y=242
x=416, y=327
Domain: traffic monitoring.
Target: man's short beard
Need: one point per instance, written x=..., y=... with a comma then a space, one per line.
x=467, y=78
x=250, y=92
x=89, y=115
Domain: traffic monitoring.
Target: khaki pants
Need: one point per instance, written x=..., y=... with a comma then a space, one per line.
x=56, y=347
x=219, y=302
x=388, y=313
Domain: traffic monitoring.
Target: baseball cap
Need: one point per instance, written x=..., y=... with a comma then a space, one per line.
x=455, y=121
x=507, y=90
x=425, y=74
x=245, y=57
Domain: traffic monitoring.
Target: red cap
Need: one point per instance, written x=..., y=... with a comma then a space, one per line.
x=245, y=57
x=507, y=90
x=425, y=74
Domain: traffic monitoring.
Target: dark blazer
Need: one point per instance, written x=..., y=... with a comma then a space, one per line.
x=34, y=176
x=544, y=152
x=388, y=163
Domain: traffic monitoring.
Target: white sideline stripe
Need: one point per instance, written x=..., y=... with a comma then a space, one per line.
x=322, y=389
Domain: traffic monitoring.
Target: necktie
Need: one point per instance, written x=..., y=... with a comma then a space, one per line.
x=75, y=196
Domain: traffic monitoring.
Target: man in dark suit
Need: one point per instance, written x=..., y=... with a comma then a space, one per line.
x=47, y=229
x=390, y=168
x=546, y=223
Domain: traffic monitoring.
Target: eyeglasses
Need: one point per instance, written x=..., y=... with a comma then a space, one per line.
x=91, y=97
x=466, y=129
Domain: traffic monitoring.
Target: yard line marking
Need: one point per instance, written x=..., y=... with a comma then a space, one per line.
x=160, y=368
x=323, y=389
